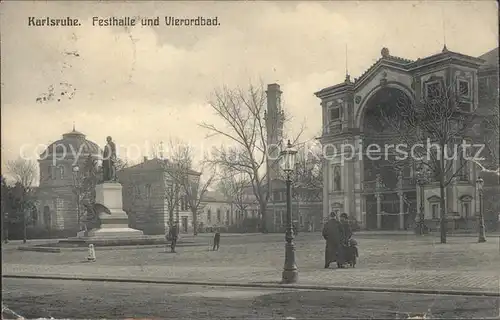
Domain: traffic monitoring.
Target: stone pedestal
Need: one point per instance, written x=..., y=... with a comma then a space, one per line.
x=114, y=225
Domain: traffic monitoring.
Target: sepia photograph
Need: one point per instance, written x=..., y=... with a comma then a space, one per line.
x=285, y=160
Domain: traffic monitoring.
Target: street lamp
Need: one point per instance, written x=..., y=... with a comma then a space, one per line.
x=290, y=272
x=480, y=184
x=422, y=174
x=76, y=170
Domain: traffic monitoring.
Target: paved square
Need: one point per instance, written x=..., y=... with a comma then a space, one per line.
x=385, y=261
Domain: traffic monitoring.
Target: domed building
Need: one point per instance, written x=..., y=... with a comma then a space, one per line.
x=57, y=201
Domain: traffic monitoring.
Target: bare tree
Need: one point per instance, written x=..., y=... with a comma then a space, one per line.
x=233, y=186
x=179, y=178
x=195, y=191
x=22, y=171
x=84, y=189
x=242, y=112
x=435, y=128
x=308, y=182
x=121, y=164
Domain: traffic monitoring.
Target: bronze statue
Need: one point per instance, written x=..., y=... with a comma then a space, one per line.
x=109, y=161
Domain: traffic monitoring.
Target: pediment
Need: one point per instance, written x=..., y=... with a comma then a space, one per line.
x=466, y=198
x=380, y=72
x=434, y=199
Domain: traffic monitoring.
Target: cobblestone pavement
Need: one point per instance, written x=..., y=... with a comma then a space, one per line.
x=385, y=262
x=98, y=300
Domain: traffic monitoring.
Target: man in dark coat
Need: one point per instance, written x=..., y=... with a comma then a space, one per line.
x=216, y=240
x=345, y=235
x=331, y=233
x=174, y=234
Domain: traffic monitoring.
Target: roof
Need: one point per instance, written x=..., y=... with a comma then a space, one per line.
x=490, y=58
x=388, y=60
x=72, y=143
x=156, y=164
x=214, y=196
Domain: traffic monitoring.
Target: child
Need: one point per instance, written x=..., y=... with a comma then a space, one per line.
x=352, y=252
x=216, y=240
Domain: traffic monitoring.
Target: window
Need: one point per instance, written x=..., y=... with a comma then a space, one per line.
x=218, y=215
x=464, y=169
x=463, y=88
x=52, y=172
x=484, y=87
x=435, y=210
x=433, y=90
x=61, y=171
x=334, y=113
x=184, y=203
x=276, y=196
x=209, y=216
x=227, y=217
x=466, y=209
x=148, y=191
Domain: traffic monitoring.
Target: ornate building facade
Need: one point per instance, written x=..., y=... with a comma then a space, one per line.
x=373, y=191
x=57, y=201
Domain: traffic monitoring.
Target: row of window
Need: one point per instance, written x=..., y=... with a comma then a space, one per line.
x=229, y=218
x=465, y=208
x=434, y=89
x=183, y=201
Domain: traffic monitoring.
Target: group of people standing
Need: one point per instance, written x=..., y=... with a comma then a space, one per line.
x=337, y=234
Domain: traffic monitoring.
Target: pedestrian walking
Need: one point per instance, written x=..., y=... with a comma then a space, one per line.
x=174, y=235
x=216, y=240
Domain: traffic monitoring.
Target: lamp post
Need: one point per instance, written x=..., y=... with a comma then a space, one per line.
x=422, y=174
x=290, y=272
x=76, y=170
x=480, y=184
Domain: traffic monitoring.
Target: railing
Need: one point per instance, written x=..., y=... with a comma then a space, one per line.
x=371, y=186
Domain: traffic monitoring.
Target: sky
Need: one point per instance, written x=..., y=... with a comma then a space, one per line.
x=143, y=85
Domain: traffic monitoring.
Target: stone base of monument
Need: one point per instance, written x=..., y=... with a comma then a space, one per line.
x=114, y=228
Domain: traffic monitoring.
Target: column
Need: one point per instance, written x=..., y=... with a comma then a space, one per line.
x=379, y=210
x=362, y=206
x=378, y=187
x=401, y=203
x=326, y=186
x=401, y=211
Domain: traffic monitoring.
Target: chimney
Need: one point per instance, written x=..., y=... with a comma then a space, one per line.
x=273, y=98
x=145, y=159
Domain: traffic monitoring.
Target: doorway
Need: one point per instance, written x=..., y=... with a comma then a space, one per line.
x=184, y=224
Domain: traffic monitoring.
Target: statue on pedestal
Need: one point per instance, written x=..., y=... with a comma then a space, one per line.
x=109, y=161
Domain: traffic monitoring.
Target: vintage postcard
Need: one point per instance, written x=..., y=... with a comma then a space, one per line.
x=250, y=160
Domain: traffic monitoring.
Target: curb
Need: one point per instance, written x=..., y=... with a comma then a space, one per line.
x=66, y=249
x=276, y=285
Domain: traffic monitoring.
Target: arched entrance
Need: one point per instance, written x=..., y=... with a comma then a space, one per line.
x=388, y=191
